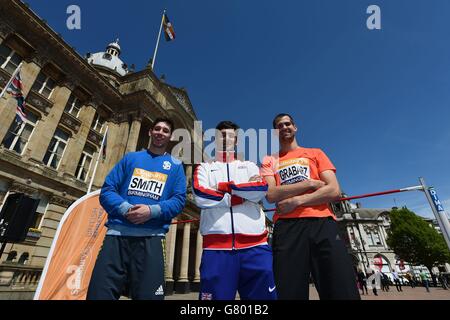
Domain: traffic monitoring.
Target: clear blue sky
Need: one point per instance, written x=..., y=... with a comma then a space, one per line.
x=377, y=102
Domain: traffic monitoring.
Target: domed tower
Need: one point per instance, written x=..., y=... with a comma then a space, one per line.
x=113, y=48
x=108, y=63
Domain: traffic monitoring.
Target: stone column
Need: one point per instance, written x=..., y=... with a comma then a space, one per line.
x=351, y=241
x=133, y=136
x=29, y=73
x=45, y=129
x=198, y=259
x=118, y=134
x=383, y=236
x=363, y=234
x=361, y=253
x=170, y=256
x=116, y=145
x=188, y=175
x=182, y=285
x=77, y=143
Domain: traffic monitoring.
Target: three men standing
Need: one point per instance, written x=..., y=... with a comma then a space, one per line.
x=146, y=189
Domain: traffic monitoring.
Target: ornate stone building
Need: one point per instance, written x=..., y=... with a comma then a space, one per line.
x=365, y=232
x=50, y=157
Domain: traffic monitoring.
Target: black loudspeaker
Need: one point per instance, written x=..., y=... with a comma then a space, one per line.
x=16, y=217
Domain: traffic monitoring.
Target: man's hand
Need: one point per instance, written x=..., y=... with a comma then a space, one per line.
x=287, y=205
x=256, y=178
x=316, y=184
x=235, y=201
x=139, y=214
x=225, y=187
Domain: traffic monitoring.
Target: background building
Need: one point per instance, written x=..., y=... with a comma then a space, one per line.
x=365, y=232
x=49, y=158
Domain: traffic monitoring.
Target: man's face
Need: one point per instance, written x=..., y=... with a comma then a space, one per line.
x=160, y=135
x=227, y=137
x=285, y=128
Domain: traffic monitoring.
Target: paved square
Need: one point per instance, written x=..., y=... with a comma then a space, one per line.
x=418, y=293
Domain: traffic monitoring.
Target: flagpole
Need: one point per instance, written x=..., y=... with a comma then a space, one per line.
x=98, y=159
x=157, y=41
x=11, y=80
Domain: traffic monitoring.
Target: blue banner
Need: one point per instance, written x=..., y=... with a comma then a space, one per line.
x=436, y=201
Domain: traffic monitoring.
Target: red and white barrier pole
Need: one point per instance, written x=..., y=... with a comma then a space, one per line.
x=368, y=195
x=382, y=193
x=185, y=221
x=430, y=193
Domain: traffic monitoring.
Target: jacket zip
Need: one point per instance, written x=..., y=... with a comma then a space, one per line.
x=231, y=213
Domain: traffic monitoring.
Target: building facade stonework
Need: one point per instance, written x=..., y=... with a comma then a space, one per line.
x=365, y=233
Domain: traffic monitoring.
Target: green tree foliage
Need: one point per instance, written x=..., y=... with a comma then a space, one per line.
x=415, y=241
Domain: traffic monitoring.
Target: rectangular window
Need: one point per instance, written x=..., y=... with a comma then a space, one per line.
x=19, y=134
x=56, y=149
x=44, y=85
x=373, y=238
x=370, y=238
x=98, y=124
x=73, y=106
x=9, y=59
x=40, y=212
x=84, y=165
x=376, y=238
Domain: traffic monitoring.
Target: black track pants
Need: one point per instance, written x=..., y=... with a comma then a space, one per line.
x=307, y=246
x=128, y=265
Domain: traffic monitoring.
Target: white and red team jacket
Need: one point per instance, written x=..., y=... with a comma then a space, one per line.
x=231, y=217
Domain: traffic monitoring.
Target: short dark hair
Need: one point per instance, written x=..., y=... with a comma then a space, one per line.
x=227, y=125
x=279, y=116
x=163, y=119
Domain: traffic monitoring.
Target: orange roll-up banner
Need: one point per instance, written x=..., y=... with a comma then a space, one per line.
x=74, y=250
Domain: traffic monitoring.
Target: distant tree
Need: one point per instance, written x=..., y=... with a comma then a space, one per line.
x=415, y=241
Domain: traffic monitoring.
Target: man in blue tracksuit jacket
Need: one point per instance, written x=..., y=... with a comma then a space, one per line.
x=141, y=195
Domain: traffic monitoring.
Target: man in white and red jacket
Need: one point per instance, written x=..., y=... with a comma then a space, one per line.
x=236, y=256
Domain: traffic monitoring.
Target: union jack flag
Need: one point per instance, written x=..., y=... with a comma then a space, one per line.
x=105, y=142
x=15, y=89
x=206, y=296
x=169, y=32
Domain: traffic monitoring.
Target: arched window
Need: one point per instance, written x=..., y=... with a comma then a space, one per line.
x=11, y=256
x=23, y=258
x=382, y=263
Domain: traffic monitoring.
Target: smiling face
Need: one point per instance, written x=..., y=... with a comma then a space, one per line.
x=286, y=129
x=226, y=138
x=160, y=135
